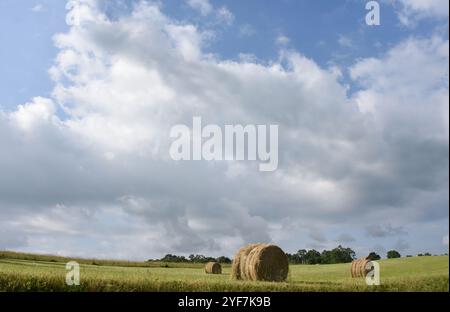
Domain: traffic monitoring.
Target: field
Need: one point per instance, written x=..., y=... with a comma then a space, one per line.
x=21, y=272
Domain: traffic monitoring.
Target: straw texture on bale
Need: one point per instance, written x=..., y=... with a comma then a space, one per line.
x=213, y=268
x=358, y=268
x=260, y=262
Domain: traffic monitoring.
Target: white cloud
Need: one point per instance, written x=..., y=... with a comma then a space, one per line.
x=282, y=40
x=225, y=16
x=187, y=40
x=247, y=58
x=103, y=169
x=445, y=240
x=222, y=14
x=396, y=93
x=204, y=7
x=414, y=10
x=30, y=115
x=38, y=8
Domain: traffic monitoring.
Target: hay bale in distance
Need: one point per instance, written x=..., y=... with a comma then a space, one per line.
x=358, y=268
x=213, y=268
x=260, y=262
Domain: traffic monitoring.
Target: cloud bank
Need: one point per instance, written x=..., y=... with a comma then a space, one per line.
x=87, y=172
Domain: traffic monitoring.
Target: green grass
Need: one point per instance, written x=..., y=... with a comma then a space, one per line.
x=48, y=274
x=99, y=262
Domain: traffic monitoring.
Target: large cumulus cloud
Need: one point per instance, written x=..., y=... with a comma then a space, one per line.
x=88, y=171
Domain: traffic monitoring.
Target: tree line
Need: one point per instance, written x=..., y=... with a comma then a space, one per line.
x=192, y=259
x=337, y=255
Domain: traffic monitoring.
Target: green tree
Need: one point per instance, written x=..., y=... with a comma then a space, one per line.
x=291, y=258
x=327, y=257
x=337, y=255
x=373, y=256
x=391, y=254
x=173, y=258
x=223, y=259
x=301, y=254
x=200, y=259
x=312, y=257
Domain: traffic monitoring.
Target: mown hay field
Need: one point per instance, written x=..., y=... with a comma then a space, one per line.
x=404, y=274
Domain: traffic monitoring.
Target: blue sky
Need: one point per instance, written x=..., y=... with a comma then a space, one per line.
x=85, y=112
x=27, y=47
x=313, y=27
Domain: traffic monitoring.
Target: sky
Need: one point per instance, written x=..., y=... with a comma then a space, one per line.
x=89, y=90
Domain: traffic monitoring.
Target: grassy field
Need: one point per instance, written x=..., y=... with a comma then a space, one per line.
x=20, y=272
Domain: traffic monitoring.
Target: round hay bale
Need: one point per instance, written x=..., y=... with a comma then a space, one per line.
x=354, y=268
x=363, y=269
x=261, y=262
x=246, y=260
x=358, y=268
x=269, y=263
x=355, y=264
x=239, y=261
x=249, y=272
x=213, y=268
